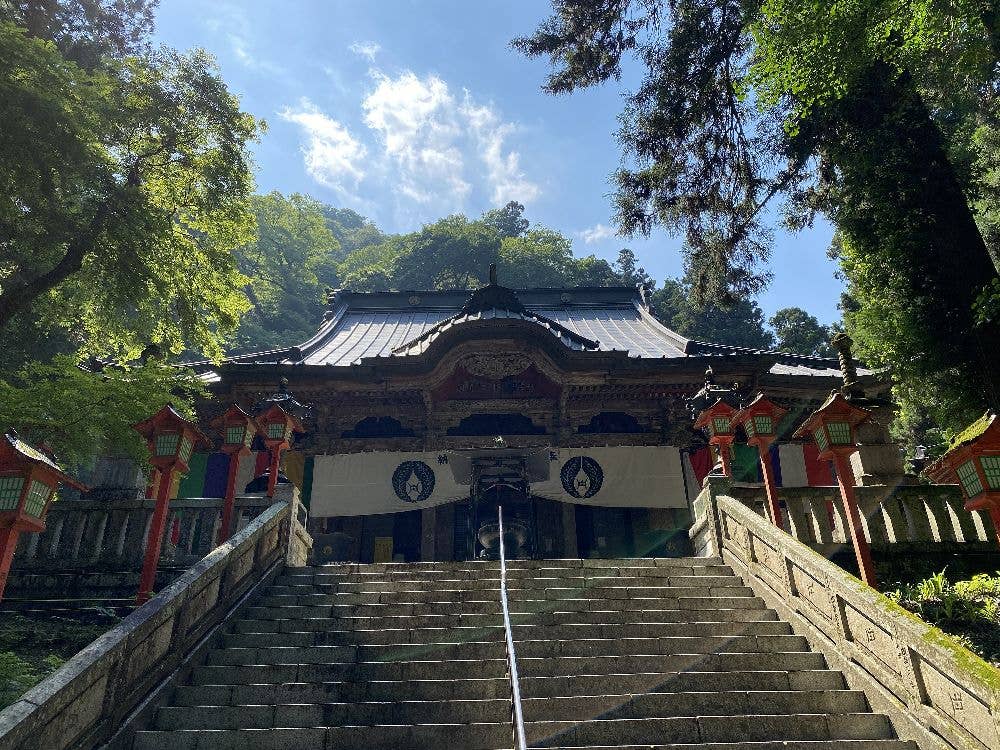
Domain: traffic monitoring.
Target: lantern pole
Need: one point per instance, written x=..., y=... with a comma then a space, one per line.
x=29, y=478
x=170, y=438
x=724, y=447
x=770, y=485
x=282, y=411
x=229, y=503
x=8, y=545
x=154, y=540
x=713, y=414
x=833, y=427
x=272, y=479
x=238, y=429
x=862, y=550
x=760, y=421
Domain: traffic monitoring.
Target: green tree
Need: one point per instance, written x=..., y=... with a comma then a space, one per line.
x=536, y=258
x=125, y=186
x=123, y=191
x=294, y=248
x=81, y=413
x=508, y=221
x=451, y=253
x=351, y=230
x=740, y=325
x=631, y=273
x=372, y=268
x=823, y=104
x=798, y=332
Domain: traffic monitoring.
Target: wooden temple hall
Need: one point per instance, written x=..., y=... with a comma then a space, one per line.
x=568, y=408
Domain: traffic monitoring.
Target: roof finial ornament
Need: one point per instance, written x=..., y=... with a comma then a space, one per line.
x=848, y=370
x=493, y=274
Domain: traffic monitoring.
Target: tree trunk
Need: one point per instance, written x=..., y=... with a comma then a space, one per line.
x=900, y=201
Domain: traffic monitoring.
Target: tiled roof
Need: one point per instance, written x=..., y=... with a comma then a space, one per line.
x=393, y=325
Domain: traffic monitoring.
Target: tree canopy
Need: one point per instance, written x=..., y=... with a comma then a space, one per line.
x=841, y=108
x=125, y=187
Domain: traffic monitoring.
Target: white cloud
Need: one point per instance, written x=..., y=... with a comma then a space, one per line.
x=417, y=124
x=365, y=49
x=596, y=233
x=333, y=157
x=503, y=169
x=431, y=147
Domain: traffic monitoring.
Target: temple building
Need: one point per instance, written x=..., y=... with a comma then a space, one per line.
x=568, y=408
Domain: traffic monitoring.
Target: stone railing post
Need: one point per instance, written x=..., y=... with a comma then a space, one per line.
x=705, y=532
x=297, y=542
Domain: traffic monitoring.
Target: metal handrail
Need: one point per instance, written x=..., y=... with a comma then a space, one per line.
x=515, y=690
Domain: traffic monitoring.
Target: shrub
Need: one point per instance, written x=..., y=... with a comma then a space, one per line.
x=968, y=609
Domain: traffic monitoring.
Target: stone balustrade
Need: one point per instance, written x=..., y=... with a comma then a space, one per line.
x=891, y=515
x=937, y=693
x=102, y=535
x=102, y=693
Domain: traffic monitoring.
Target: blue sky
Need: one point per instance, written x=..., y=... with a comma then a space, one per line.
x=408, y=110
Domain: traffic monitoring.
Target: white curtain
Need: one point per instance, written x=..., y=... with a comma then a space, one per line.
x=389, y=482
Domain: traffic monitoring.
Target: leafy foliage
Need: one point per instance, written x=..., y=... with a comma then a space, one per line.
x=968, y=610
x=31, y=649
x=288, y=268
x=80, y=414
x=740, y=325
x=123, y=191
x=798, y=332
x=840, y=108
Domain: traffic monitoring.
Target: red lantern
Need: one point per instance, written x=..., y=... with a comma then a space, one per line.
x=760, y=421
x=717, y=421
x=276, y=427
x=973, y=462
x=238, y=429
x=28, y=483
x=833, y=427
x=171, y=440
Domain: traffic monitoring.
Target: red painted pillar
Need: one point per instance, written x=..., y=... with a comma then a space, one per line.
x=8, y=544
x=227, y=506
x=770, y=486
x=863, y=553
x=272, y=479
x=994, y=516
x=155, y=539
x=725, y=456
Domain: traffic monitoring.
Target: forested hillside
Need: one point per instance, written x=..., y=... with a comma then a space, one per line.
x=305, y=247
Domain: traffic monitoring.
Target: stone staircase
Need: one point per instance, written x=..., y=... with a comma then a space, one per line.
x=667, y=653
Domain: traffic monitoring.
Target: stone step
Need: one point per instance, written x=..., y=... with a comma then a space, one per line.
x=430, y=594
x=745, y=728
x=488, y=566
x=709, y=644
x=613, y=654
x=678, y=682
x=421, y=669
x=268, y=716
x=499, y=687
x=554, y=666
x=526, y=649
x=341, y=692
x=433, y=668
x=724, y=703
x=842, y=744
x=406, y=737
x=287, y=585
x=338, y=654
x=246, y=638
x=550, y=619
x=471, y=606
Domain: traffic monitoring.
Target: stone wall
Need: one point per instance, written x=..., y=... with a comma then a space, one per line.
x=937, y=693
x=118, y=679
